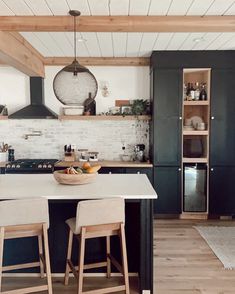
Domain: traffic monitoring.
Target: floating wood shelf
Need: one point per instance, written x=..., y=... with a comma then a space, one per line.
x=3, y=117
x=195, y=133
x=200, y=102
x=195, y=160
x=104, y=117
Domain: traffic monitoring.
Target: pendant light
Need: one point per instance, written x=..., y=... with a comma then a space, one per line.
x=74, y=83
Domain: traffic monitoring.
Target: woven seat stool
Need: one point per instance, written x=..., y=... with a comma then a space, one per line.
x=95, y=219
x=21, y=219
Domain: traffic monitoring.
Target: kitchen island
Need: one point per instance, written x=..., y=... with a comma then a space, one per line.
x=134, y=188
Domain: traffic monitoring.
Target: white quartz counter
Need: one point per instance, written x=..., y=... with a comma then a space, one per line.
x=129, y=186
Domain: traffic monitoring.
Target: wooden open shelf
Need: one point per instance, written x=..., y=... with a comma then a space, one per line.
x=104, y=117
x=194, y=160
x=3, y=117
x=199, y=102
x=196, y=133
x=196, y=111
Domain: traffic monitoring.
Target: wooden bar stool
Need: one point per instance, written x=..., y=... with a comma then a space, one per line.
x=26, y=218
x=98, y=218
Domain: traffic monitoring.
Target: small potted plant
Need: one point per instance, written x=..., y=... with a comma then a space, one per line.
x=140, y=107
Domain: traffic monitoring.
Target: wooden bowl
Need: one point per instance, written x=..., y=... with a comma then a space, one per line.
x=70, y=179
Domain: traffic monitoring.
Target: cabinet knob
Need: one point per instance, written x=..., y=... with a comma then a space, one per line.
x=212, y=117
x=180, y=118
x=212, y=169
x=179, y=169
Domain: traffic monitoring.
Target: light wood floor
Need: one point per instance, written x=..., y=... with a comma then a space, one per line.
x=183, y=262
x=59, y=288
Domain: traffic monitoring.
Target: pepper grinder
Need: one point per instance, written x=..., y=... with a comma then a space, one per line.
x=11, y=154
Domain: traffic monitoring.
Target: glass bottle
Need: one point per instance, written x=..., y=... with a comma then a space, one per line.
x=197, y=91
x=188, y=92
x=192, y=92
x=203, y=93
x=185, y=92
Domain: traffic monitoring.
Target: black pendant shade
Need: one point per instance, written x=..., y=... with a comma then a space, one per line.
x=74, y=83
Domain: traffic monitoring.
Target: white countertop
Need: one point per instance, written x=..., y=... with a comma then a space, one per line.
x=129, y=186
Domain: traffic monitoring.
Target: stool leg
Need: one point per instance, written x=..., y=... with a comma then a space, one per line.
x=40, y=247
x=1, y=254
x=108, y=259
x=124, y=259
x=81, y=260
x=47, y=258
x=69, y=253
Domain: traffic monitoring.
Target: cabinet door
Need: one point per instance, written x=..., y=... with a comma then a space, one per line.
x=147, y=171
x=222, y=191
x=112, y=170
x=167, y=186
x=167, y=109
x=222, y=142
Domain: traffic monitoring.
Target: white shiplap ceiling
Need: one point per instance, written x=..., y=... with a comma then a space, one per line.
x=122, y=44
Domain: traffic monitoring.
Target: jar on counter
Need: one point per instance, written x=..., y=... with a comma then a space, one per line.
x=83, y=155
x=93, y=155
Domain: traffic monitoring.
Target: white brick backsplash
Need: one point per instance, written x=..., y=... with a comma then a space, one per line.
x=106, y=137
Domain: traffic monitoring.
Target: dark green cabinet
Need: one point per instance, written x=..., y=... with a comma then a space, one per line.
x=222, y=136
x=128, y=170
x=165, y=131
x=113, y=170
x=222, y=191
x=167, y=186
x=166, y=124
x=142, y=170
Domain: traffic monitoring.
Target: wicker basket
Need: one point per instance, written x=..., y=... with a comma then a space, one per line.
x=70, y=179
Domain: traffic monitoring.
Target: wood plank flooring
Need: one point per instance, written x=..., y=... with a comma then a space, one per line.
x=183, y=262
x=60, y=288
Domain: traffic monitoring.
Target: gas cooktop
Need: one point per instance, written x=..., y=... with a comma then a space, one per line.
x=31, y=165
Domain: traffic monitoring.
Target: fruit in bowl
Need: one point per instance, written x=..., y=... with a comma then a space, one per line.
x=77, y=176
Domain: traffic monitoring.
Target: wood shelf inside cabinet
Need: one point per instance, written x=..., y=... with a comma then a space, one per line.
x=195, y=160
x=200, y=102
x=194, y=215
x=104, y=117
x=195, y=133
x=3, y=117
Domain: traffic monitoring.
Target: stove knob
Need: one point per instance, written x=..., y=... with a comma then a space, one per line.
x=18, y=166
x=49, y=165
x=40, y=166
x=13, y=166
x=8, y=166
x=44, y=166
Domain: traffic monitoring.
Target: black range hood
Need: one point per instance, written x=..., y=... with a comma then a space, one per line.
x=36, y=108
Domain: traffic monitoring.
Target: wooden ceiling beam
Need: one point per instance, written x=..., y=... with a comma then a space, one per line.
x=99, y=61
x=17, y=52
x=119, y=23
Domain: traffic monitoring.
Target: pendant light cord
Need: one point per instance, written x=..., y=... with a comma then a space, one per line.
x=75, y=43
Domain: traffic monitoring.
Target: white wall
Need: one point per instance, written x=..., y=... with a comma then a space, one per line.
x=14, y=88
x=105, y=137
x=124, y=83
